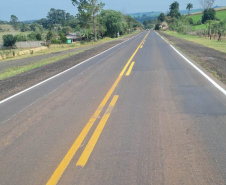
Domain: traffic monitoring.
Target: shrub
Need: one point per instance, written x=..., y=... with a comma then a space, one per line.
x=199, y=22
x=63, y=38
x=55, y=41
x=21, y=37
x=38, y=36
x=9, y=40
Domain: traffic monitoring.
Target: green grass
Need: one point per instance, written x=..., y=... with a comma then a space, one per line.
x=219, y=14
x=54, y=48
x=220, y=46
x=21, y=69
x=199, y=27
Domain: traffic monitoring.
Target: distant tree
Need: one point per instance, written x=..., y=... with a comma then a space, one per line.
x=157, y=26
x=63, y=38
x=56, y=16
x=14, y=21
x=174, y=10
x=88, y=11
x=189, y=7
x=113, y=22
x=49, y=36
x=208, y=14
x=221, y=28
x=162, y=17
x=24, y=27
x=206, y=4
x=9, y=40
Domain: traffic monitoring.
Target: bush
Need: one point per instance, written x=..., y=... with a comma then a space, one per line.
x=55, y=41
x=208, y=14
x=157, y=27
x=9, y=40
x=38, y=36
x=21, y=37
x=199, y=22
x=63, y=38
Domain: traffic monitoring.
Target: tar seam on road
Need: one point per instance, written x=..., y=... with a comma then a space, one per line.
x=199, y=70
x=70, y=154
x=40, y=83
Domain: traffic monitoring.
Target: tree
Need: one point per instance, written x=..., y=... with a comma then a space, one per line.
x=208, y=14
x=174, y=10
x=189, y=7
x=88, y=11
x=206, y=4
x=221, y=28
x=162, y=17
x=63, y=38
x=14, y=21
x=9, y=40
x=113, y=22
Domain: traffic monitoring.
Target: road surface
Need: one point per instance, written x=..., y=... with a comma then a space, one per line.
x=138, y=113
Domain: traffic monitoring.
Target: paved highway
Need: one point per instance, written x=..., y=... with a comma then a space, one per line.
x=138, y=113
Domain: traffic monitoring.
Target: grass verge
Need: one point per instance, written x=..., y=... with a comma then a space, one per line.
x=213, y=44
x=21, y=69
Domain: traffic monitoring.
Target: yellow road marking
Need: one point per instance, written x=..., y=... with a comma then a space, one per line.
x=93, y=140
x=130, y=69
x=70, y=154
x=141, y=46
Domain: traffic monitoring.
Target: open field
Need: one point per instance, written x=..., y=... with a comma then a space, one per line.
x=214, y=44
x=220, y=14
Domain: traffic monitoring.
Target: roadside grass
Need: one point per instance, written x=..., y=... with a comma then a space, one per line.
x=57, y=48
x=199, y=27
x=21, y=69
x=214, y=44
x=54, y=48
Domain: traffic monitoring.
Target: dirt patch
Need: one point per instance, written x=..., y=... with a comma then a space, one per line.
x=25, y=80
x=212, y=60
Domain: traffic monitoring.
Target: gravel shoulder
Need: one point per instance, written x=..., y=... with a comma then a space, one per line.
x=212, y=60
x=17, y=83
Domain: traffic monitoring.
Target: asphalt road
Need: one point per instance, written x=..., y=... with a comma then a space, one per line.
x=136, y=114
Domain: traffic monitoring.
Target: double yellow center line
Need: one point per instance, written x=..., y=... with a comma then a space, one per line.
x=88, y=150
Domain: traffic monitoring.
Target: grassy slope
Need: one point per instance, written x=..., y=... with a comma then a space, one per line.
x=219, y=14
x=220, y=46
x=10, y=30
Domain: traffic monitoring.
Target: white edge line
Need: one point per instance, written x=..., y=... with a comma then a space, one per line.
x=199, y=70
x=40, y=83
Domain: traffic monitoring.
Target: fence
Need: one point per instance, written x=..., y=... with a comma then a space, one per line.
x=26, y=44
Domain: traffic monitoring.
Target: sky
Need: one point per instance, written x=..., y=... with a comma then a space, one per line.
x=37, y=9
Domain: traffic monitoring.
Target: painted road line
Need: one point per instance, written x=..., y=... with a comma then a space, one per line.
x=195, y=67
x=141, y=46
x=130, y=69
x=70, y=154
x=40, y=83
x=200, y=71
x=93, y=140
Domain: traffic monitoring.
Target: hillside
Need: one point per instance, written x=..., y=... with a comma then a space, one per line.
x=142, y=16
x=220, y=14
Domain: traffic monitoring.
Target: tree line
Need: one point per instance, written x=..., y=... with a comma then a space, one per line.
x=92, y=22
x=183, y=23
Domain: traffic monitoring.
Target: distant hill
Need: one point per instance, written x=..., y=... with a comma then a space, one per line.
x=142, y=16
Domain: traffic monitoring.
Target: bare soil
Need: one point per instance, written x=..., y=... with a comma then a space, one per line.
x=212, y=60
x=25, y=80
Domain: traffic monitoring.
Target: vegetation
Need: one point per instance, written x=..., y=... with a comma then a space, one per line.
x=174, y=10
x=189, y=7
x=9, y=40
